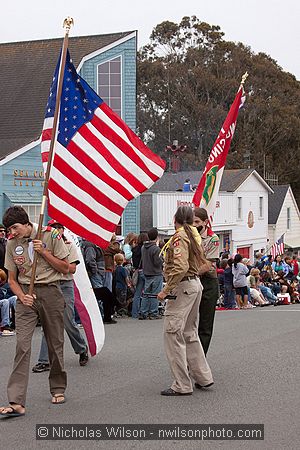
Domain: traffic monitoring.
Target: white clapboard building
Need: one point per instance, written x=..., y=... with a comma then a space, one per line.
x=241, y=218
x=284, y=217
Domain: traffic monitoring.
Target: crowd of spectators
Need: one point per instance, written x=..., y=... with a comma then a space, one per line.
x=242, y=285
x=127, y=276
x=266, y=282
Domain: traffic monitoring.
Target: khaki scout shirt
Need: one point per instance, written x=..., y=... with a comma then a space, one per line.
x=19, y=256
x=211, y=247
x=179, y=262
x=72, y=258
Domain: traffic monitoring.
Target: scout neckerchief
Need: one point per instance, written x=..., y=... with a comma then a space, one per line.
x=167, y=244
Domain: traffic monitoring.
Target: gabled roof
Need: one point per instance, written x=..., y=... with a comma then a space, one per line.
x=230, y=182
x=26, y=69
x=276, y=201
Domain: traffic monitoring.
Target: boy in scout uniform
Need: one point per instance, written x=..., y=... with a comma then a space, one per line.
x=47, y=303
x=208, y=277
x=183, y=259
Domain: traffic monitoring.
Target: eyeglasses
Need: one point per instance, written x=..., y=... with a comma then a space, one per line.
x=2, y=231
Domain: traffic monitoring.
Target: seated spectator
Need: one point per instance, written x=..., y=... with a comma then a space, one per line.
x=5, y=329
x=295, y=291
x=8, y=302
x=259, y=262
x=277, y=265
x=267, y=280
x=267, y=292
x=267, y=264
x=284, y=283
x=255, y=292
x=288, y=268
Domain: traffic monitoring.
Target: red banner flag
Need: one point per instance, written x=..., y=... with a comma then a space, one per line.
x=208, y=188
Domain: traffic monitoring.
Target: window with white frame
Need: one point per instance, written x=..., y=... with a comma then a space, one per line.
x=239, y=208
x=288, y=218
x=33, y=212
x=261, y=207
x=110, y=85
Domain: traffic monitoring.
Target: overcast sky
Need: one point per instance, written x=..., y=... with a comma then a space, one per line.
x=269, y=26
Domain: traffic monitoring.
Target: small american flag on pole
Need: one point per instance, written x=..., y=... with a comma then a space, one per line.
x=278, y=247
x=99, y=163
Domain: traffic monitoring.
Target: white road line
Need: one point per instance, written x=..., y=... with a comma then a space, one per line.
x=282, y=310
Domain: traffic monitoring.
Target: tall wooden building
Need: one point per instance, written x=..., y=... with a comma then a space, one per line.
x=106, y=62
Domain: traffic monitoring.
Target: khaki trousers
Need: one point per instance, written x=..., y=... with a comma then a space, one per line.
x=183, y=348
x=49, y=306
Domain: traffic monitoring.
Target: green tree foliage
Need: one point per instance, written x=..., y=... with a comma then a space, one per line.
x=188, y=76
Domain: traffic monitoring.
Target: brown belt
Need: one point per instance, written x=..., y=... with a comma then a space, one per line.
x=192, y=277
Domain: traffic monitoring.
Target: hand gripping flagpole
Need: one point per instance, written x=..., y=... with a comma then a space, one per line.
x=67, y=25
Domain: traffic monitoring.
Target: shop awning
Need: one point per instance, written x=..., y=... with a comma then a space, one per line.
x=23, y=198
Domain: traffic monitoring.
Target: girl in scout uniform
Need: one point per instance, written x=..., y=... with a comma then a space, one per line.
x=183, y=258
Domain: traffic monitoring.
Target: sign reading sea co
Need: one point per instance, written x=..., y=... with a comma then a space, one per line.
x=28, y=178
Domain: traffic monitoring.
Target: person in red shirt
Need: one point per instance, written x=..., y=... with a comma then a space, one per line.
x=295, y=265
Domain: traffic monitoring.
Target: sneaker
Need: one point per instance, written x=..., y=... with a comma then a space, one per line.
x=142, y=318
x=83, y=358
x=7, y=332
x=110, y=322
x=41, y=367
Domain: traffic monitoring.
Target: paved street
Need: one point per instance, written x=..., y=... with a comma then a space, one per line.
x=255, y=361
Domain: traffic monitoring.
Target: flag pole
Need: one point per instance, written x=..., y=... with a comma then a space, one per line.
x=67, y=25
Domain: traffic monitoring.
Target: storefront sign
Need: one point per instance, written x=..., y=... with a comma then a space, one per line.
x=28, y=178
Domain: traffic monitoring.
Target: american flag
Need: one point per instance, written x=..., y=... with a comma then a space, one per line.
x=278, y=247
x=99, y=164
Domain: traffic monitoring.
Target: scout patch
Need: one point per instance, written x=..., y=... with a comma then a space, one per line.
x=55, y=234
x=19, y=250
x=19, y=260
x=177, y=252
x=176, y=241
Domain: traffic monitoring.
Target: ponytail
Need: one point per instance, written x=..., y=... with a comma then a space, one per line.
x=195, y=247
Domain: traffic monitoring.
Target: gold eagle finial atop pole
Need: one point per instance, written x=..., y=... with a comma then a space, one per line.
x=68, y=22
x=244, y=77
